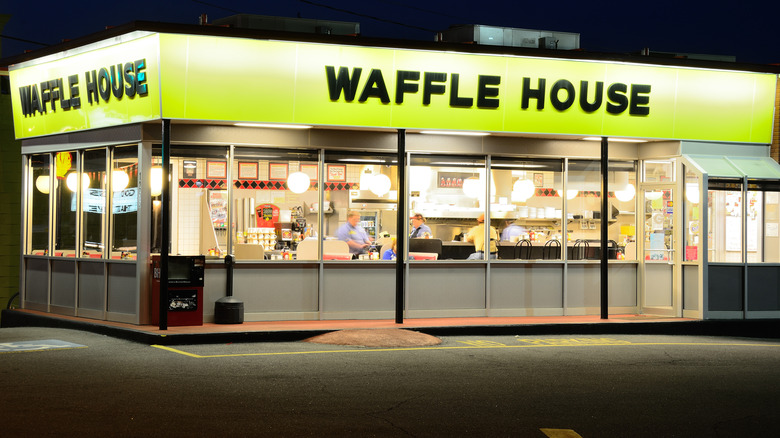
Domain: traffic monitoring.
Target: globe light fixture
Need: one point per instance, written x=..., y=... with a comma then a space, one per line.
x=42, y=184
x=119, y=180
x=472, y=187
x=380, y=184
x=419, y=178
x=692, y=193
x=652, y=196
x=570, y=194
x=298, y=182
x=72, y=181
x=627, y=194
x=156, y=180
x=522, y=190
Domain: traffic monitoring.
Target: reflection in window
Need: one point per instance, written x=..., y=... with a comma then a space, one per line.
x=659, y=171
x=692, y=225
x=763, y=221
x=38, y=234
x=94, y=203
x=124, y=201
x=724, y=220
x=65, y=196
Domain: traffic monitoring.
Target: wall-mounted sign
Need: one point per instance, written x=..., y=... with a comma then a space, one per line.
x=342, y=85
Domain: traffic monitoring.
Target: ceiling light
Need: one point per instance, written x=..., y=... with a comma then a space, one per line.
x=465, y=133
x=272, y=125
x=617, y=140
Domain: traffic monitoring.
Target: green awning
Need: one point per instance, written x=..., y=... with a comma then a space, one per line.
x=719, y=166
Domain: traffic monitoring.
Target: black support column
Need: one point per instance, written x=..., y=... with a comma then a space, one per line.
x=400, y=271
x=604, y=227
x=165, y=219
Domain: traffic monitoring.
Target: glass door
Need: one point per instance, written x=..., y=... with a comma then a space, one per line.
x=659, y=250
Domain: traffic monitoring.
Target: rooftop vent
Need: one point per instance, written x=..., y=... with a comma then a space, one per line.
x=510, y=37
x=287, y=24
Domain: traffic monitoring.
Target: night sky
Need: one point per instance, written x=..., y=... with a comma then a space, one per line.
x=747, y=29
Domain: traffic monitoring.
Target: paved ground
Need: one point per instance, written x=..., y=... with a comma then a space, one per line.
x=475, y=385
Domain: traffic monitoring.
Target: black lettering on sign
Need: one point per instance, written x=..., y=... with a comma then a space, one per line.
x=586, y=106
x=487, y=89
x=343, y=82
x=117, y=81
x=639, y=99
x=617, y=99
x=375, y=87
x=430, y=88
x=533, y=93
x=455, y=99
x=558, y=86
x=404, y=85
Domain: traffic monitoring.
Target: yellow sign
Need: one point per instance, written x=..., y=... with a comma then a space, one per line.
x=107, y=86
x=243, y=80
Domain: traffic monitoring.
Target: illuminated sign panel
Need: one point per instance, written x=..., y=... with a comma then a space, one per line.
x=243, y=80
x=97, y=88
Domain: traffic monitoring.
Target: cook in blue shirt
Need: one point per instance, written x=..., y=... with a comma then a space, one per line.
x=352, y=233
x=419, y=228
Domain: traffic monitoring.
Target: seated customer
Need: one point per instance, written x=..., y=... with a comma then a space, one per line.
x=390, y=254
x=477, y=235
x=513, y=229
x=355, y=235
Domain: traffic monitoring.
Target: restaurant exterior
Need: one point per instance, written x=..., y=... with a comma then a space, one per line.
x=261, y=146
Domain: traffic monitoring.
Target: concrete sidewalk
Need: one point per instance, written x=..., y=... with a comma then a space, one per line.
x=288, y=331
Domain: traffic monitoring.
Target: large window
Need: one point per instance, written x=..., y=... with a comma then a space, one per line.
x=65, y=196
x=93, y=203
x=583, y=205
x=124, y=202
x=360, y=205
x=527, y=208
x=275, y=204
x=725, y=220
x=38, y=211
x=692, y=221
x=449, y=193
x=763, y=221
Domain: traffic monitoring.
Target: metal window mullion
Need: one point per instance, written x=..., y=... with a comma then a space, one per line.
x=489, y=218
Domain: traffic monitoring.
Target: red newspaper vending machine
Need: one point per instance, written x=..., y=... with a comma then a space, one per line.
x=185, y=290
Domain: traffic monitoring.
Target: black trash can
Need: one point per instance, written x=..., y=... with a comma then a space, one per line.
x=228, y=310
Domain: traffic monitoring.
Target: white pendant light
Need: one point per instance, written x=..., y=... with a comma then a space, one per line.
x=570, y=194
x=692, y=193
x=380, y=184
x=298, y=182
x=119, y=180
x=156, y=180
x=42, y=184
x=522, y=190
x=652, y=196
x=472, y=187
x=72, y=181
x=627, y=194
x=419, y=178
